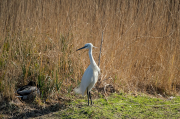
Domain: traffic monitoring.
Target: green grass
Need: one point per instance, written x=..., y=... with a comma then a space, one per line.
x=122, y=106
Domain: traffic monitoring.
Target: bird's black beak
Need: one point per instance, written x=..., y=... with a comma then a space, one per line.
x=81, y=48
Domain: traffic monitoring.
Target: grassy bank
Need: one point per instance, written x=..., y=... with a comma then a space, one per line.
x=115, y=106
x=123, y=106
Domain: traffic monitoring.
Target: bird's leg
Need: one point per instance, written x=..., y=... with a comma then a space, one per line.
x=90, y=97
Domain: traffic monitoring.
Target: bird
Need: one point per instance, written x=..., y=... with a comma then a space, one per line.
x=90, y=76
x=28, y=92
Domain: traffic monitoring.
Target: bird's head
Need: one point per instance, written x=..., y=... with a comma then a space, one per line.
x=87, y=46
x=31, y=83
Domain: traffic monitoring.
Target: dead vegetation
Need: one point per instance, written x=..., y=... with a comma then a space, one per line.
x=140, y=52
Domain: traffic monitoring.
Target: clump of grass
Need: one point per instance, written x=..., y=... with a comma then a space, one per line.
x=140, y=50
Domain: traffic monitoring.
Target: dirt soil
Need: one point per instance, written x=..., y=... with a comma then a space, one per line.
x=17, y=109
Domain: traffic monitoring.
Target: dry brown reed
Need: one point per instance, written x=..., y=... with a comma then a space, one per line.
x=140, y=52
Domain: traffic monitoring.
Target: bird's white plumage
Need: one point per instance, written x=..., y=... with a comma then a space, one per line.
x=90, y=76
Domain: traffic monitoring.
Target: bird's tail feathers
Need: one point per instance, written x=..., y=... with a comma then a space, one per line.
x=78, y=90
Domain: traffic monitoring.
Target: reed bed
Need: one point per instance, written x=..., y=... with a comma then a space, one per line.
x=140, y=51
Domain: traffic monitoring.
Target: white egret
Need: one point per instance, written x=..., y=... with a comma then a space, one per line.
x=90, y=76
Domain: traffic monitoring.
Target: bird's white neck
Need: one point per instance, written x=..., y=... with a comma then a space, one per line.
x=93, y=63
